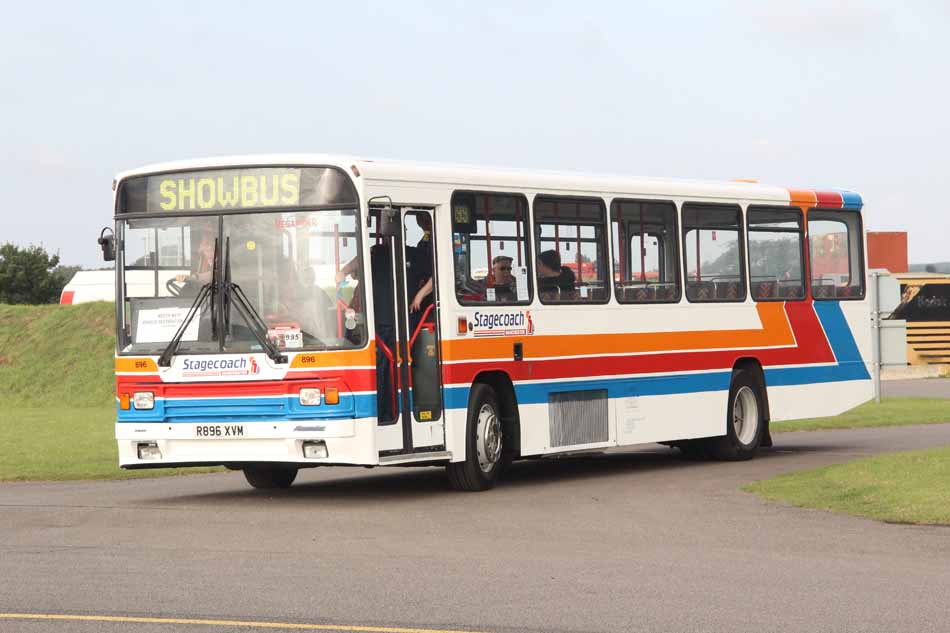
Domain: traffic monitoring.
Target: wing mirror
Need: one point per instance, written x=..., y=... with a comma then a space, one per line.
x=107, y=243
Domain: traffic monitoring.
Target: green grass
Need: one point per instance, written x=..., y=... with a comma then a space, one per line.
x=63, y=443
x=57, y=394
x=891, y=412
x=911, y=487
x=52, y=355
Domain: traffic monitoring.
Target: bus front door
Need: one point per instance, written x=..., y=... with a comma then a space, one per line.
x=415, y=424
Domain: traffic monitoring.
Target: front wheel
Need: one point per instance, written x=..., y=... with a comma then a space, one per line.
x=270, y=477
x=484, y=445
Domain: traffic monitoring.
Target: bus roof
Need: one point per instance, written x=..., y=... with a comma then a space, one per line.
x=381, y=171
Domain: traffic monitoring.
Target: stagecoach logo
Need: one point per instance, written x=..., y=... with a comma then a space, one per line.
x=503, y=323
x=230, y=366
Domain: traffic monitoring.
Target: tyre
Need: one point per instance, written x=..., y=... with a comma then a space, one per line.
x=270, y=477
x=745, y=419
x=485, y=454
x=694, y=450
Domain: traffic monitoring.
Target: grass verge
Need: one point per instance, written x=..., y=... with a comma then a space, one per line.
x=55, y=444
x=911, y=487
x=891, y=412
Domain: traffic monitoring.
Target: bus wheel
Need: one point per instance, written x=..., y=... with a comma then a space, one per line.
x=484, y=446
x=745, y=419
x=270, y=477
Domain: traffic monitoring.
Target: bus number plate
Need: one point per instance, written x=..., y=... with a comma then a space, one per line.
x=219, y=430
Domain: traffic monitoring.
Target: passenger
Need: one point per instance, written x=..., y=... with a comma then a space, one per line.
x=504, y=281
x=419, y=272
x=554, y=281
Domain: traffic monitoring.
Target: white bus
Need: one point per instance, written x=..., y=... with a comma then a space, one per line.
x=297, y=311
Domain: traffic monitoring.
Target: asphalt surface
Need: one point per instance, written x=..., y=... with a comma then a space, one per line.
x=634, y=541
x=917, y=388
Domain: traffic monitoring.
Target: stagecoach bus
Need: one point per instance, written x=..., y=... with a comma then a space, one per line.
x=284, y=312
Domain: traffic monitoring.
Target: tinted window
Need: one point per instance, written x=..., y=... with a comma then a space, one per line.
x=712, y=244
x=646, y=257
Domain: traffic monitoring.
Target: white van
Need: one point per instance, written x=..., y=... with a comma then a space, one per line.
x=89, y=285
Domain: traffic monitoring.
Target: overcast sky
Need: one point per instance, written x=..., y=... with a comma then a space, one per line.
x=849, y=94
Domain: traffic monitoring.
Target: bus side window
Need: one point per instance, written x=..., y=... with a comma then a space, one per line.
x=713, y=249
x=835, y=254
x=571, y=250
x=490, y=249
x=646, y=252
x=776, y=254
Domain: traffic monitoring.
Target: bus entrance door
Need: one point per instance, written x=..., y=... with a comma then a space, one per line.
x=408, y=367
x=420, y=347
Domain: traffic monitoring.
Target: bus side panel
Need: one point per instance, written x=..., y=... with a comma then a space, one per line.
x=662, y=418
x=818, y=391
x=797, y=402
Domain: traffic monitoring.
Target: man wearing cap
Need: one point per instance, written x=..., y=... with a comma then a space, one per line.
x=504, y=281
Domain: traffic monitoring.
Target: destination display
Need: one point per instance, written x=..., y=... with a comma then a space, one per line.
x=236, y=189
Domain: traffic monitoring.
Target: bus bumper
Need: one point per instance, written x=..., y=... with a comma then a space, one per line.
x=165, y=445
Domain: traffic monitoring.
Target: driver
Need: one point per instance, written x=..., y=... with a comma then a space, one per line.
x=202, y=263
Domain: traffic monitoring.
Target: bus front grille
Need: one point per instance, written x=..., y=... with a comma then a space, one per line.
x=184, y=410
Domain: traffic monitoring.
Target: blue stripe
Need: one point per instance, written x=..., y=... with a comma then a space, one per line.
x=251, y=409
x=850, y=364
x=850, y=200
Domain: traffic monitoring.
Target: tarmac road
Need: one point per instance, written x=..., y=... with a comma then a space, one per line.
x=634, y=541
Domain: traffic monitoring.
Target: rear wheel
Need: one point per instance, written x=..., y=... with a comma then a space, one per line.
x=270, y=477
x=485, y=454
x=745, y=419
x=745, y=424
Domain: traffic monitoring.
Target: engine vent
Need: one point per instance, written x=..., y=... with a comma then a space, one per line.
x=578, y=417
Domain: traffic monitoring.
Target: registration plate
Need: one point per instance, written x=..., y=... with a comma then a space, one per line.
x=219, y=430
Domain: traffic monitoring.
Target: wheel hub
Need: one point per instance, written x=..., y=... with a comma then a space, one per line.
x=745, y=415
x=488, y=438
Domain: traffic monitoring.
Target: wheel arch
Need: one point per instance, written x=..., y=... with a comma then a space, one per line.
x=504, y=389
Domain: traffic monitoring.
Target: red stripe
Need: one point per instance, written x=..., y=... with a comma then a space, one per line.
x=829, y=199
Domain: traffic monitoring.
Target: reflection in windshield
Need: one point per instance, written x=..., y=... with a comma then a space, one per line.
x=285, y=263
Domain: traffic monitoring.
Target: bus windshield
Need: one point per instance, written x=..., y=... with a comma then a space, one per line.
x=285, y=263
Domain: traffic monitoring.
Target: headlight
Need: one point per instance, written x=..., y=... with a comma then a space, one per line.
x=310, y=396
x=143, y=400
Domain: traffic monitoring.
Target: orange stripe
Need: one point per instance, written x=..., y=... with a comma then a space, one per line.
x=354, y=358
x=806, y=199
x=775, y=331
x=136, y=365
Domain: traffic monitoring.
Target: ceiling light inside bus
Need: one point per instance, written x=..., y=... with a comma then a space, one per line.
x=143, y=400
x=310, y=396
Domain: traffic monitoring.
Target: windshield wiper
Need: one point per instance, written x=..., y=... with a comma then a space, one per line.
x=206, y=291
x=244, y=307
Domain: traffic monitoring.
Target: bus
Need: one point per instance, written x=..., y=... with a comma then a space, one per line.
x=284, y=312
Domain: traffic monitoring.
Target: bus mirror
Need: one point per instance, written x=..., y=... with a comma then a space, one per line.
x=107, y=243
